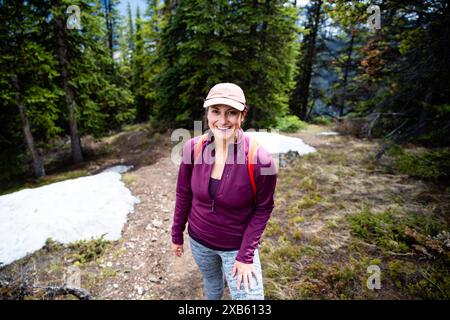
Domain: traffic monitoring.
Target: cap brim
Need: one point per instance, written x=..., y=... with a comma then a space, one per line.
x=228, y=102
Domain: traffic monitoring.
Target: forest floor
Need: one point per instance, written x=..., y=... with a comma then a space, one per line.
x=337, y=213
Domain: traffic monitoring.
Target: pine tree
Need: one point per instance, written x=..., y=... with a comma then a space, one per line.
x=131, y=28
x=138, y=60
x=63, y=43
x=299, y=102
x=27, y=71
x=206, y=42
x=350, y=18
x=111, y=20
x=99, y=104
x=401, y=84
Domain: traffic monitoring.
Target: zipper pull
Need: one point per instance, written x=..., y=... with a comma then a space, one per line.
x=213, y=206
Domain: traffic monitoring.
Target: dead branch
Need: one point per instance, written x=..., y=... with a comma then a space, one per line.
x=379, y=114
x=65, y=290
x=372, y=124
x=396, y=129
x=20, y=289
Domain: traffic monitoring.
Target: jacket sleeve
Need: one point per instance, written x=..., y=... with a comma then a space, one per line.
x=266, y=178
x=183, y=194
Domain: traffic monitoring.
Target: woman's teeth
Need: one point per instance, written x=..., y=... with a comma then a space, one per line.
x=223, y=128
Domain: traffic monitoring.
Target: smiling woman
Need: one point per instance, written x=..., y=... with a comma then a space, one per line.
x=224, y=121
x=226, y=202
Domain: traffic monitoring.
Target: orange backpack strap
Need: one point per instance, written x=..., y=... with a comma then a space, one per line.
x=253, y=147
x=198, y=146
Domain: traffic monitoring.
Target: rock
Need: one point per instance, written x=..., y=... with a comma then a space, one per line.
x=154, y=279
x=115, y=285
x=157, y=223
x=139, y=266
x=109, y=264
x=154, y=239
x=139, y=290
x=149, y=227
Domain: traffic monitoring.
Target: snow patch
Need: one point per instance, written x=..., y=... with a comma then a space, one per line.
x=276, y=143
x=328, y=133
x=118, y=169
x=66, y=211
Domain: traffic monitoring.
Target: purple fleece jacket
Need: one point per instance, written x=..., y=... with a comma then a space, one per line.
x=233, y=219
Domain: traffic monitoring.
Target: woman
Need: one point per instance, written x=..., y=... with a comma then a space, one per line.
x=225, y=191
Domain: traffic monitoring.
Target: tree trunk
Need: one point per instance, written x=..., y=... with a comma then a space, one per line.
x=301, y=94
x=77, y=155
x=109, y=25
x=253, y=35
x=38, y=164
x=348, y=64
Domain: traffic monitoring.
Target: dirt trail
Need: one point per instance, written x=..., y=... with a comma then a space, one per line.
x=146, y=267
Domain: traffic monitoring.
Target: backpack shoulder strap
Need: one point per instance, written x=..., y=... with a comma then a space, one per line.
x=198, y=146
x=253, y=147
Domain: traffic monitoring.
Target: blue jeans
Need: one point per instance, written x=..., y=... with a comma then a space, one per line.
x=214, y=264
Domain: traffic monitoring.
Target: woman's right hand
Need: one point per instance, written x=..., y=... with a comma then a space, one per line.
x=177, y=249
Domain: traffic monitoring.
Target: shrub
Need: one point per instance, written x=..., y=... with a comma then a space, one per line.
x=290, y=124
x=429, y=165
x=86, y=251
x=322, y=120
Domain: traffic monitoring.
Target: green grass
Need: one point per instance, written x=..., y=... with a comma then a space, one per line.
x=387, y=229
x=399, y=228
x=273, y=228
x=432, y=165
x=128, y=179
x=415, y=235
x=88, y=250
x=46, y=180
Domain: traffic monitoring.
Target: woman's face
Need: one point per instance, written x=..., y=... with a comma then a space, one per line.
x=224, y=120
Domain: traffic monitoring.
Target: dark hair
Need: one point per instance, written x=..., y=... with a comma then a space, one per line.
x=246, y=110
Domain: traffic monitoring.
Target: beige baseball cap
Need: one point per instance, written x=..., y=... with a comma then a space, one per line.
x=226, y=93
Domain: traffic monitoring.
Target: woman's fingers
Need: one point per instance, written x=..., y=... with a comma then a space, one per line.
x=255, y=276
x=239, y=279
x=177, y=249
x=245, y=280
x=249, y=280
x=245, y=274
